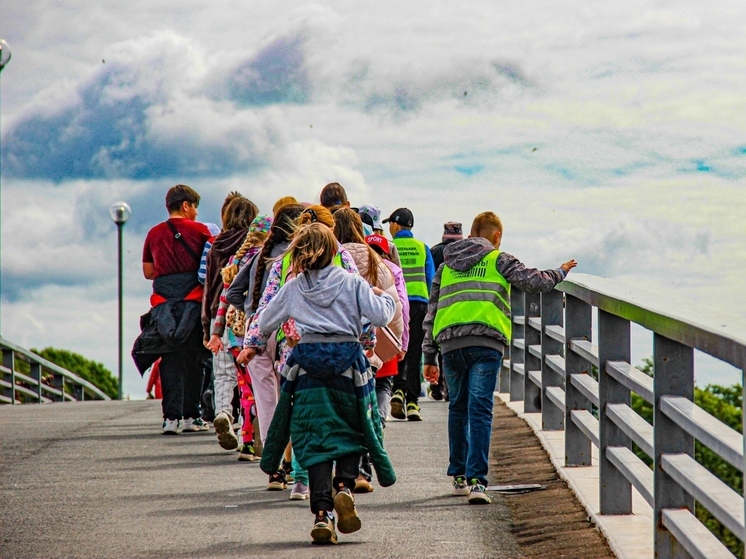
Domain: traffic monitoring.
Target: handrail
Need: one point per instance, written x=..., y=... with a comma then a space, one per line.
x=17, y=387
x=585, y=388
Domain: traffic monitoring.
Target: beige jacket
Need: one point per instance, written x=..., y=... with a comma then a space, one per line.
x=361, y=256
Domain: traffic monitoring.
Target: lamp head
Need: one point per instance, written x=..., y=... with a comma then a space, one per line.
x=120, y=212
x=4, y=54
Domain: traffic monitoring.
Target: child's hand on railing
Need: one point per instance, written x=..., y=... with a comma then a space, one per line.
x=569, y=265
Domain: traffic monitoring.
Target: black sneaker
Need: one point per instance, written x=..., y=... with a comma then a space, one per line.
x=323, y=532
x=246, y=453
x=287, y=467
x=413, y=412
x=277, y=481
x=397, y=405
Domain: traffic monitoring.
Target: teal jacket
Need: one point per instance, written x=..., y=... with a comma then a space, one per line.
x=328, y=408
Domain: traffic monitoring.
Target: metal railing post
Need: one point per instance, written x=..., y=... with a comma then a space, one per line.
x=36, y=375
x=673, y=376
x=516, y=356
x=615, y=492
x=58, y=382
x=9, y=361
x=552, y=417
x=531, y=392
x=578, y=319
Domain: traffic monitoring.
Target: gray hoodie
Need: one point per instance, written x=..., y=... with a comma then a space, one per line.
x=329, y=302
x=461, y=256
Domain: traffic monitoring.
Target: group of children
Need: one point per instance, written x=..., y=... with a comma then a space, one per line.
x=320, y=322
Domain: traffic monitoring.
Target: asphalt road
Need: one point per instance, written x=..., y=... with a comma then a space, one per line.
x=98, y=480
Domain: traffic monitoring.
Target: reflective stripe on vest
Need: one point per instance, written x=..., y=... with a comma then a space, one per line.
x=413, y=257
x=478, y=295
x=285, y=272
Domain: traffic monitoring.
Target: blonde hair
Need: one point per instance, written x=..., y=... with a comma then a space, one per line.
x=313, y=247
x=486, y=223
x=284, y=201
x=253, y=239
x=316, y=213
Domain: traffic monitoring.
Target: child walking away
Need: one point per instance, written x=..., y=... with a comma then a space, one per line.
x=468, y=316
x=327, y=404
x=227, y=335
x=256, y=342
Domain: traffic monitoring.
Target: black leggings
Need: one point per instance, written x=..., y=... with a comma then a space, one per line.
x=320, y=480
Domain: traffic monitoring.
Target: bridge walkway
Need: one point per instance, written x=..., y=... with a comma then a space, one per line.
x=97, y=479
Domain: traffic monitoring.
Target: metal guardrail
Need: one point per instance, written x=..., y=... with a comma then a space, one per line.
x=551, y=370
x=45, y=383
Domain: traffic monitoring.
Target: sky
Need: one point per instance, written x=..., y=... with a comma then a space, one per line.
x=608, y=133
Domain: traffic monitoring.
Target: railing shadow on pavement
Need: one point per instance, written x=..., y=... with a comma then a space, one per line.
x=44, y=383
x=581, y=389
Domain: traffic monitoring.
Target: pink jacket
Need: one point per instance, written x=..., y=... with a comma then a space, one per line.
x=401, y=289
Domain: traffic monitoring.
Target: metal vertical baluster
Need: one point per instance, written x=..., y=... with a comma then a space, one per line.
x=9, y=362
x=552, y=417
x=673, y=376
x=577, y=326
x=516, y=356
x=615, y=492
x=531, y=392
x=36, y=375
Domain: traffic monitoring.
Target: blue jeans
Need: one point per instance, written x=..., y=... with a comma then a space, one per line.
x=471, y=374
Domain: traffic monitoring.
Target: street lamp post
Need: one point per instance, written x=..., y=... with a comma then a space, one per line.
x=4, y=59
x=120, y=212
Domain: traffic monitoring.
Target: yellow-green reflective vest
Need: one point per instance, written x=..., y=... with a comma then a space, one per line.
x=413, y=256
x=285, y=271
x=477, y=295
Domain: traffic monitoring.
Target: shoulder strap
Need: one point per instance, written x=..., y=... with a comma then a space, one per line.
x=179, y=238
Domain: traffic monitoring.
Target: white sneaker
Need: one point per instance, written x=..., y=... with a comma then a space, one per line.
x=459, y=486
x=171, y=426
x=300, y=492
x=224, y=428
x=195, y=425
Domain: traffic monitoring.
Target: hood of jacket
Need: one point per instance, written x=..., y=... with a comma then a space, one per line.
x=464, y=254
x=322, y=286
x=227, y=243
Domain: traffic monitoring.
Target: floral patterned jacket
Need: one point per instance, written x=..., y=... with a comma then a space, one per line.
x=255, y=339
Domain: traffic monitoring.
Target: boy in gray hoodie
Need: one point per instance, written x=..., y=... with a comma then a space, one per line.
x=468, y=318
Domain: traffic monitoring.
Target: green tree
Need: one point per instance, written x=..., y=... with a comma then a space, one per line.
x=93, y=372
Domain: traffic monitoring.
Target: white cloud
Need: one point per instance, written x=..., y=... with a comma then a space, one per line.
x=609, y=133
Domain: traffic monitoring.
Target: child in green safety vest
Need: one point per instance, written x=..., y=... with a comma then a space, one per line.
x=418, y=270
x=468, y=319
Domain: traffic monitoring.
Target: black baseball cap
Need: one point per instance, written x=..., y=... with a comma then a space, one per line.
x=402, y=217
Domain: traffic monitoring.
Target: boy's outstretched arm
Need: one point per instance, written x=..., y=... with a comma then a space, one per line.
x=531, y=280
